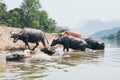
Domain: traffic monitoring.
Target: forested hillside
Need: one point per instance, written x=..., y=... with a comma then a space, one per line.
x=105, y=33
x=30, y=14
x=115, y=35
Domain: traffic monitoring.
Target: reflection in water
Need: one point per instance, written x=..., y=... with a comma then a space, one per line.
x=38, y=69
x=83, y=57
x=24, y=70
x=113, y=42
x=2, y=62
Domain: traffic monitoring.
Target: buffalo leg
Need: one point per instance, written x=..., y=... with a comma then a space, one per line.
x=27, y=45
x=67, y=49
x=43, y=42
x=83, y=48
x=64, y=49
x=37, y=43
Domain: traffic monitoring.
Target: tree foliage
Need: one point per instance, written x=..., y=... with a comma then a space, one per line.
x=28, y=7
x=30, y=15
x=118, y=35
x=3, y=12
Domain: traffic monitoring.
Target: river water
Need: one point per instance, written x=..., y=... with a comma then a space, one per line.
x=88, y=65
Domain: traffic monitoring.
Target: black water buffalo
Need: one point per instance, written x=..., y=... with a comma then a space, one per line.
x=48, y=51
x=30, y=35
x=70, y=42
x=14, y=57
x=94, y=44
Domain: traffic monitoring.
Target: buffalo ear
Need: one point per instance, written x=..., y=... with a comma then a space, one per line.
x=11, y=37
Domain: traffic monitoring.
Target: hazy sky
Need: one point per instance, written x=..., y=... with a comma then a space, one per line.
x=71, y=12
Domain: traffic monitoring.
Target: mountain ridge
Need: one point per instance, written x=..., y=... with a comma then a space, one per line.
x=104, y=33
x=96, y=25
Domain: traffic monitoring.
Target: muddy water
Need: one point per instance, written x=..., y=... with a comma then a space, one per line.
x=89, y=65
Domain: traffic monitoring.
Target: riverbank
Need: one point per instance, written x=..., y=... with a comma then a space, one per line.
x=6, y=43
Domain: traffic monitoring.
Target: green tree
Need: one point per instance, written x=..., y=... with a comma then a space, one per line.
x=16, y=18
x=28, y=7
x=35, y=24
x=3, y=12
x=43, y=16
x=50, y=25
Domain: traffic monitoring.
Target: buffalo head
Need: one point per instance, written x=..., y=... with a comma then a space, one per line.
x=15, y=57
x=56, y=41
x=101, y=46
x=94, y=44
x=14, y=36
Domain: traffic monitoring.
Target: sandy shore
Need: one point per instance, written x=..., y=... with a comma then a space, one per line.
x=6, y=43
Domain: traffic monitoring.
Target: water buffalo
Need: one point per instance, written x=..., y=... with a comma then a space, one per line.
x=94, y=44
x=70, y=42
x=53, y=52
x=14, y=57
x=49, y=51
x=30, y=35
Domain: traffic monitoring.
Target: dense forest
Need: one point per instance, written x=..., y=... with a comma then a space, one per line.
x=30, y=14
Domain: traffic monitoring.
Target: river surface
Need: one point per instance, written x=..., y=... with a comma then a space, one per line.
x=88, y=65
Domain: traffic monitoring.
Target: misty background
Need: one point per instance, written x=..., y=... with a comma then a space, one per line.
x=84, y=16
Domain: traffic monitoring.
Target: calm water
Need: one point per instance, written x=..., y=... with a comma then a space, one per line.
x=89, y=65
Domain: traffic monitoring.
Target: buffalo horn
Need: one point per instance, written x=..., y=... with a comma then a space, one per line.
x=11, y=32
